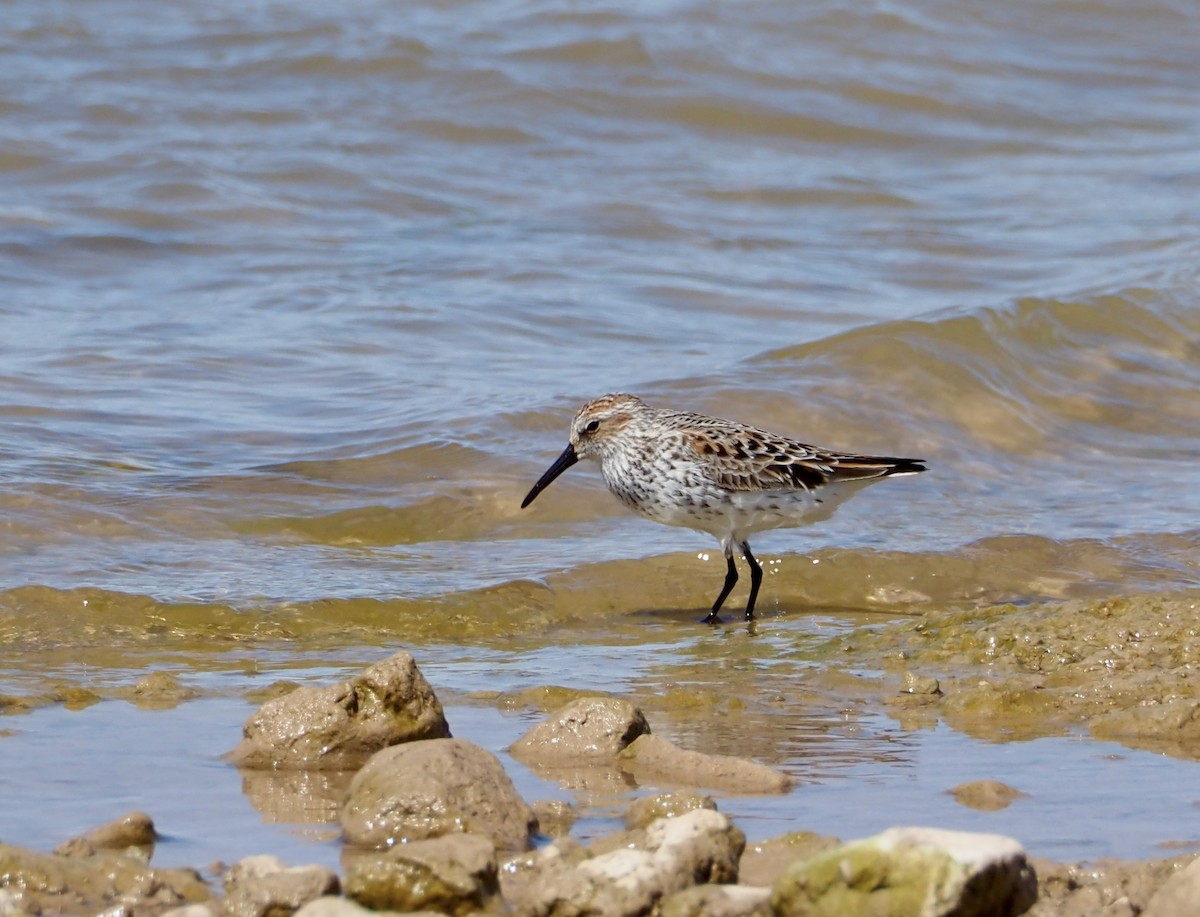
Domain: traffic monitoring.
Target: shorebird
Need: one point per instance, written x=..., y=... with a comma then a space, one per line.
x=718, y=476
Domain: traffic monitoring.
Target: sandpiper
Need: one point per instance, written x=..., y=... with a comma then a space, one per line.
x=721, y=477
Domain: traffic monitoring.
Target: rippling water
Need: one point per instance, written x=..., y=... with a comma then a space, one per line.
x=297, y=301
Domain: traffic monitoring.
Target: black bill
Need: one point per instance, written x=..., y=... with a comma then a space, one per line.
x=561, y=464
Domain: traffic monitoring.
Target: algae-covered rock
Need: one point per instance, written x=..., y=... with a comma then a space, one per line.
x=339, y=727
x=1171, y=726
x=427, y=789
x=1122, y=667
x=911, y=872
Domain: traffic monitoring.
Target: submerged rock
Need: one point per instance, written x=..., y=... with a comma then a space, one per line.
x=159, y=691
x=428, y=789
x=651, y=758
x=985, y=795
x=339, y=727
x=911, y=872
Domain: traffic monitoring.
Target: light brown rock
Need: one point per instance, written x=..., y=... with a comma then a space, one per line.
x=339, y=727
x=265, y=886
x=455, y=874
x=427, y=789
x=586, y=729
x=344, y=907
x=646, y=809
x=651, y=758
x=132, y=834
x=1179, y=896
x=640, y=869
x=764, y=862
x=50, y=883
x=718, y=901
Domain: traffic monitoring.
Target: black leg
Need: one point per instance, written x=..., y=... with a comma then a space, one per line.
x=730, y=579
x=755, y=579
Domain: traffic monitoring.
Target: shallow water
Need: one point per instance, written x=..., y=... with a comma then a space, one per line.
x=856, y=773
x=297, y=301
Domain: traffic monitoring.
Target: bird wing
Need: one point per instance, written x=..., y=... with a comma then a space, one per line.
x=747, y=459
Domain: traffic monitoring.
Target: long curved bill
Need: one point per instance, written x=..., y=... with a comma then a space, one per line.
x=561, y=464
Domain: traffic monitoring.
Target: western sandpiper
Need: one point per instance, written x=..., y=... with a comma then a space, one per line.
x=721, y=477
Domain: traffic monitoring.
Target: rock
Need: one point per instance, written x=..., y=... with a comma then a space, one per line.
x=455, y=874
x=718, y=901
x=427, y=789
x=338, y=907
x=50, y=883
x=192, y=910
x=10, y=906
x=650, y=758
x=764, y=862
x=554, y=816
x=1179, y=896
x=265, y=886
x=1101, y=888
x=920, y=684
x=339, y=727
x=672, y=854
x=1172, y=727
x=586, y=729
x=911, y=872
x=985, y=795
x=646, y=809
x=158, y=691
x=132, y=834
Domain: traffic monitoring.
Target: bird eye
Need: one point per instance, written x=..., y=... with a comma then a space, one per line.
x=592, y=427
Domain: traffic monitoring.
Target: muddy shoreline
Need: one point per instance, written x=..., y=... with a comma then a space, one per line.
x=1122, y=670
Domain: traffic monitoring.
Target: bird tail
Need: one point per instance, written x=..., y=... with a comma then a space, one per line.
x=861, y=467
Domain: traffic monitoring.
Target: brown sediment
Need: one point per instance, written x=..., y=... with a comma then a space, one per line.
x=1126, y=669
